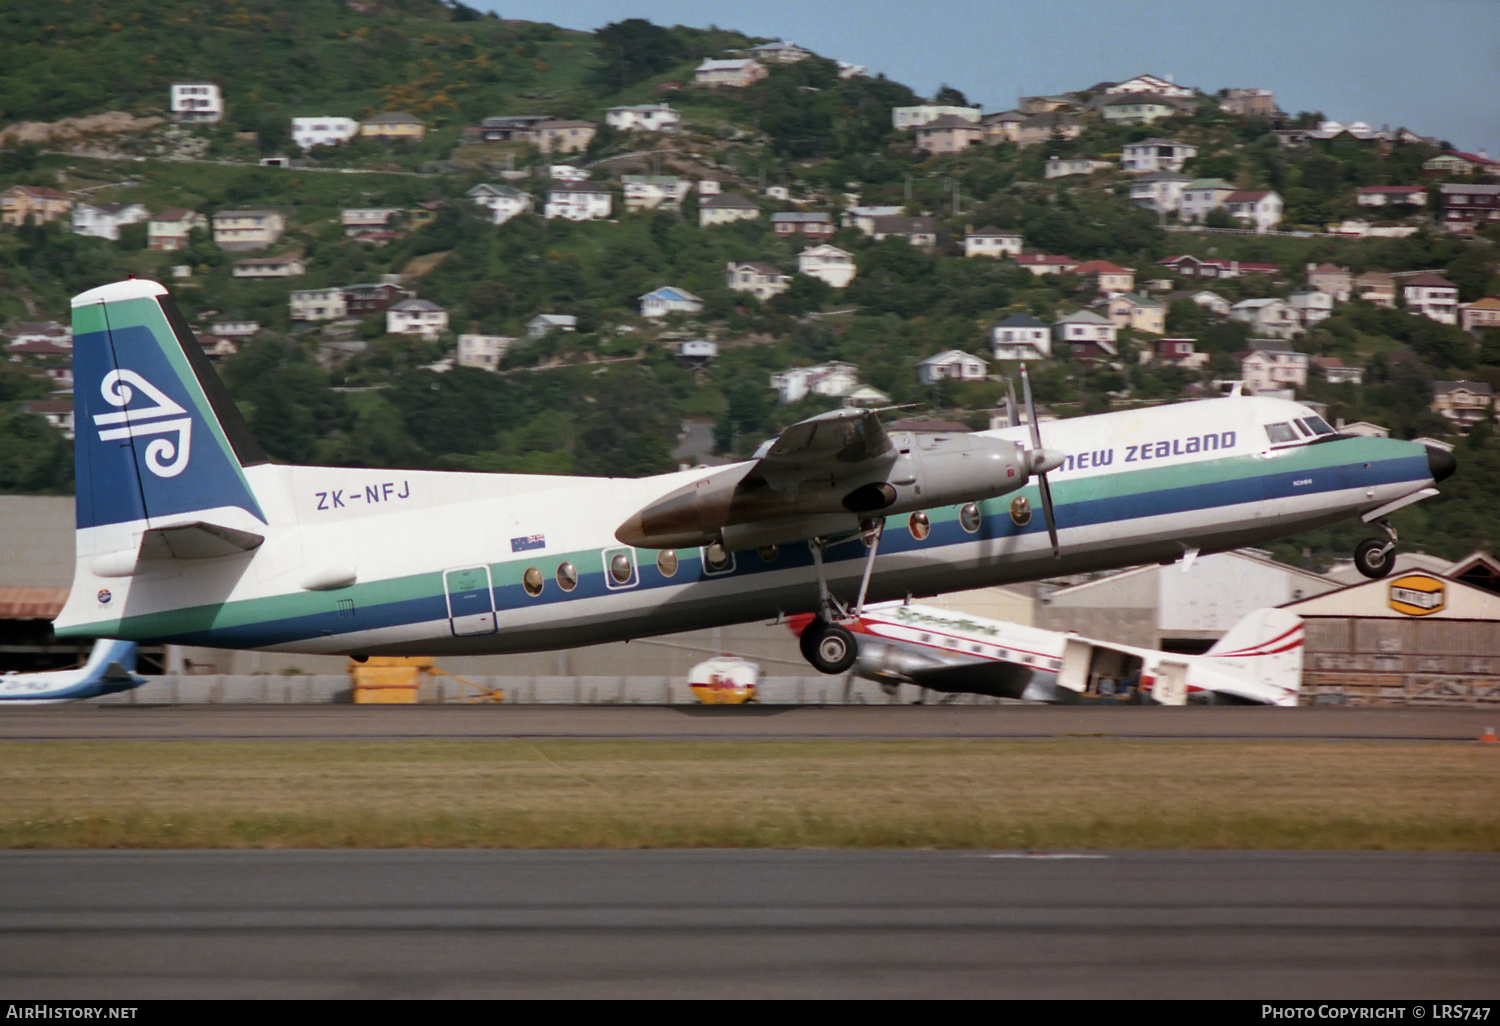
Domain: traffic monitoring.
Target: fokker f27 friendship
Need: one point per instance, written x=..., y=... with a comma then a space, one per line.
x=188, y=534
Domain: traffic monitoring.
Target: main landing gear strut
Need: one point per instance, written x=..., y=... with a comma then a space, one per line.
x=1375, y=558
x=826, y=642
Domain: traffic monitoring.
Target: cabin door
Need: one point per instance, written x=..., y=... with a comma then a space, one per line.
x=471, y=601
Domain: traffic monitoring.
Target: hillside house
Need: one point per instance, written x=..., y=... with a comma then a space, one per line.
x=1481, y=314
x=920, y=232
x=367, y=299
x=578, y=201
x=653, y=192
x=196, y=101
x=1432, y=296
x=482, y=352
x=780, y=52
x=1260, y=210
x=643, y=117
x=1335, y=372
x=953, y=365
x=923, y=114
x=1137, y=312
x=992, y=242
x=1183, y=352
x=395, y=126
x=1332, y=279
x=863, y=218
x=1311, y=307
x=372, y=223
x=828, y=264
x=726, y=208
x=1465, y=207
x=247, y=229
x=36, y=203
x=1271, y=364
x=729, y=74
x=1465, y=403
x=1272, y=318
x=416, y=317
x=948, y=134
x=1250, y=102
x=1083, y=327
x=1190, y=266
x=508, y=127
x=564, y=136
x=1107, y=279
x=169, y=230
x=1149, y=84
x=669, y=300
x=1021, y=337
x=542, y=325
x=1375, y=287
x=1151, y=155
x=827, y=379
x=104, y=220
x=288, y=265
x=1064, y=167
x=502, y=201
x=1141, y=108
x=318, y=305
x=760, y=280
x=1202, y=195
x=323, y=131
x=1210, y=301
x=237, y=330
x=1391, y=196
x=1160, y=191
x=812, y=225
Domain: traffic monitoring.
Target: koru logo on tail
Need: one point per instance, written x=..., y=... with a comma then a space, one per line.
x=165, y=457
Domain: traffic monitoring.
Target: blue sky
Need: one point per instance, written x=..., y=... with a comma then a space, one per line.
x=1430, y=65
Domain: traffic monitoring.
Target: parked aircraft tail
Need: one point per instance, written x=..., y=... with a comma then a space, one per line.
x=110, y=668
x=1267, y=647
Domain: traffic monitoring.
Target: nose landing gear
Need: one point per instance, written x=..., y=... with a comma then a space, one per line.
x=1375, y=558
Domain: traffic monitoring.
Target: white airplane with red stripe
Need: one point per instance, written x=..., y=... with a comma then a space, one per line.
x=1259, y=662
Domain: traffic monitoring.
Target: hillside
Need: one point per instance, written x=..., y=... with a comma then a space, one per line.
x=608, y=398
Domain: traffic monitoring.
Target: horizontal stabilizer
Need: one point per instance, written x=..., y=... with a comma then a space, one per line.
x=198, y=540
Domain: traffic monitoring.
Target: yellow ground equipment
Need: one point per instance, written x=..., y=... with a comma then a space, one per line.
x=397, y=680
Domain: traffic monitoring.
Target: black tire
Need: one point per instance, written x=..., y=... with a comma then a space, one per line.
x=1371, y=562
x=810, y=635
x=834, y=651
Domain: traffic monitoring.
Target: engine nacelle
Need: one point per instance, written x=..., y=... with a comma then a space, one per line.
x=736, y=504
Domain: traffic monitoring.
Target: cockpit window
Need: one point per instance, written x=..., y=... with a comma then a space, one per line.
x=1302, y=427
x=1280, y=433
x=1319, y=425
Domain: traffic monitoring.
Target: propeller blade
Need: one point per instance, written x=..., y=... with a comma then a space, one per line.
x=1011, y=418
x=1042, y=461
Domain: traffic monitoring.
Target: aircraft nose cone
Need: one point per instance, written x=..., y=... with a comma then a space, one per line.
x=1440, y=462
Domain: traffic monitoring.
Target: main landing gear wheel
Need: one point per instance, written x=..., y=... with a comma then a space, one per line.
x=830, y=648
x=1375, y=558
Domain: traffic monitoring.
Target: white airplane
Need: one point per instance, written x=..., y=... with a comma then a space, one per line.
x=110, y=668
x=1258, y=662
x=188, y=534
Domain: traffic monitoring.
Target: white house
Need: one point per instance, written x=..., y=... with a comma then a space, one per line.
x=830, y=379
x=1260, y=210
x=725, y=208
x=1158, y=190
x=1084, y=326
x=915, y=117
x=318, y=305
x=732, y=74
x=482, y=352
x=1202, y=195
x=247, y=229
x=782, y=51
x=992, y=242
x=1274, y=318
x=1149, y=84
x=416, y=317
x=643, y=117
x=1062, y=167
x=827, y=263
x=1272, y=364
x=359, y=221
x=104, y=220
x=1021, y=337
x=668, y=300
x=323, y=131
x=651, y=192
x=953, y=365
x=1150, y=155
x=760, y=280
x=502, y=201
x=197, y=101
x=288, y=265
x=1432, y=296
x=1311, y=306
x=578, y=201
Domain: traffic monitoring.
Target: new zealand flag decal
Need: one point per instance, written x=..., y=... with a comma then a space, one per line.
x=531, y=541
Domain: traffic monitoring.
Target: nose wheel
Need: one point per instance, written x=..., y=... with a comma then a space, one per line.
x=1375, y=558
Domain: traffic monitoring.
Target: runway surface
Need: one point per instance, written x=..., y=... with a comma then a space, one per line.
x=1281, y=926
x=82, y=721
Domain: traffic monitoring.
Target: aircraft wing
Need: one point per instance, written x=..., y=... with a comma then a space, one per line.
x=829, y=445
x=981, y=677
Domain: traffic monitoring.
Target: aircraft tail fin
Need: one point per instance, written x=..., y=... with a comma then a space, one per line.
x=159, y=443
x=1267, y=646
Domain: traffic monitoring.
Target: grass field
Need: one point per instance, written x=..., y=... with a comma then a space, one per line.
x=1074, y=793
